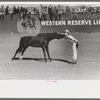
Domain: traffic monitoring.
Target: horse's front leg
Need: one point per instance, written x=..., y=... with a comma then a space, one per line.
x=43, y=48
x=47, y=49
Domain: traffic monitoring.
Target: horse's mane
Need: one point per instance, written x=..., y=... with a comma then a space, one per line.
x=44, y=34
x=50, y=36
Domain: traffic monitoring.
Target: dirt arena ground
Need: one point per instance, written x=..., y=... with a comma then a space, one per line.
x=31, y=67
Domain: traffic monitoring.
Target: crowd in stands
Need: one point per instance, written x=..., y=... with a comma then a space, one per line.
x=51, y=12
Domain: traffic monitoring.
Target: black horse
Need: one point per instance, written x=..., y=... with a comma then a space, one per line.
x=41, y=40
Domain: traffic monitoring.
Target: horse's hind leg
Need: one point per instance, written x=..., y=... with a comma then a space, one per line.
x=47, y=49
x=15, y=54
x=43, y=48
x=23, y=52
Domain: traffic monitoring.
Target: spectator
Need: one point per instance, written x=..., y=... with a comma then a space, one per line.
x=6, y=11
x=18, y=10
x=63, y=13
x=14, y=10
x=24, y=13
x=10, y=11
x=55, y=13
x=45, y=13
x=40, y=12
x=59, y=12
x=50, y=12
x=2, y=13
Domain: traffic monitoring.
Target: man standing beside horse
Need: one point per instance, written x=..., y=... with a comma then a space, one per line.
x=74, y=43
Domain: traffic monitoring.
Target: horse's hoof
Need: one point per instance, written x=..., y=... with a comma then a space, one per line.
x=49, y=60
x=13, y=59
x=73, y=62
x=45, y=61
x=21, y=58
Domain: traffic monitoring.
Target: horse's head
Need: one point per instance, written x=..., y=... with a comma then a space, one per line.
x=58, y=35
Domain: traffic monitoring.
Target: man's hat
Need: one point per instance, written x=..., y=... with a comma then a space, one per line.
x=67, y=31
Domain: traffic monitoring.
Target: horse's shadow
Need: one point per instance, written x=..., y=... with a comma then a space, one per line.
x=42, y=59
